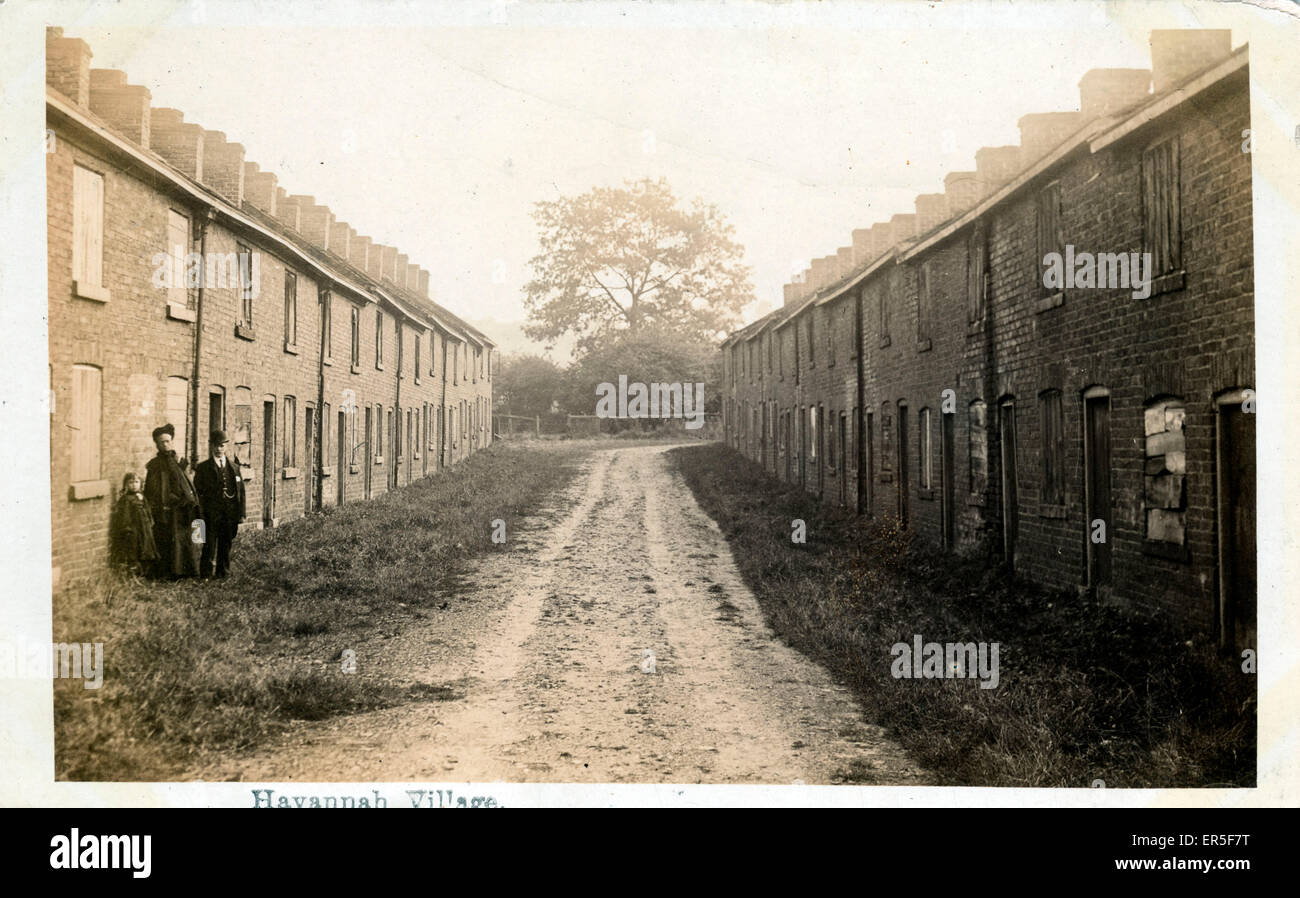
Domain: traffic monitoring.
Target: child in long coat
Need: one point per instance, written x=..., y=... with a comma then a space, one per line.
x=133, y=543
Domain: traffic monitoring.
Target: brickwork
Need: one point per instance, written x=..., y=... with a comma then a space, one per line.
x=960, y=305
x=264, y=371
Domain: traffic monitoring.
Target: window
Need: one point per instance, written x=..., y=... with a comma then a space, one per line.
x=242, y=424
x=829, y=326
x=444, y=357
x=178, y=243
x=455, y=363
x=924, y=305
x=797, y=366
x=1162, y=233
x=812, y=347
x=88, y=233
x=886, y=439
x=379, y=338
x=924, y=468
x=401, y=346
x=379, y=431
x=289, y=436
x=397, y=447
x=882, y=307
x=478, y=364
x=86, y=422
x=978, y=461
x=830, y=442
x=780, y=354
x=812, y=432
x=326, y=436
x=976, y=274
x=245, y=282
x=216, y=411
x=1053, y=423
x=356, y=337
x=770, y=340
x=327, y=328
x=1049, y=229
x=290, y=310
x=1165, y=473
x=178, y=403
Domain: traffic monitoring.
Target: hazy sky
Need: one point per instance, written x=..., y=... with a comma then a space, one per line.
x=799, y=123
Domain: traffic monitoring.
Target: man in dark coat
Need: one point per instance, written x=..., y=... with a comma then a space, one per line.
x=175, y=508
x=221, y=493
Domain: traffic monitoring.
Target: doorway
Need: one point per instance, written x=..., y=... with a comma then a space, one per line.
x=341, y=463
x=367, y=463
x=1010, y=499
x=842, y=436
x=313, y=469
x=903, y=472
x=947, y=475
x=268, y=463
x=1235, y=523
x=1096, y=486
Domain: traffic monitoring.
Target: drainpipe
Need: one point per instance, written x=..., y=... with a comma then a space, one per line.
x=203, y=220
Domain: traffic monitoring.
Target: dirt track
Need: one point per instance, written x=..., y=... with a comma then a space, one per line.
x=545, y=674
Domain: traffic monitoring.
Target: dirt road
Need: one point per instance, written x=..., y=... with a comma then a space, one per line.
x=545, y=668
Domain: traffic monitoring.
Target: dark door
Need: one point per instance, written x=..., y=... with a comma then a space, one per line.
x=216, y=418
x=868, y=455
x=842, y=436
x=948, y=474
x=821, y=450
x=903, y=473
x=367, y=462
x=1236, y=527
x=1096, y=411
x=341, y=464
x=1010, y=500
x=801, y=424
x=313, y=470
x=268, y=463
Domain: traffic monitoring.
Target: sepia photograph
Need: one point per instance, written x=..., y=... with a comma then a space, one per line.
x=786, y=395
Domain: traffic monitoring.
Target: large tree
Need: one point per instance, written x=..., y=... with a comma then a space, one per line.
x=528, y=384
x=622, y=261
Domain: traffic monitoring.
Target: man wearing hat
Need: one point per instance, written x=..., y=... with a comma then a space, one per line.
x=175, y=507
x=221, y=493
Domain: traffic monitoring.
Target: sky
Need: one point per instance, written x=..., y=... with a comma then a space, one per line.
x=436, y=128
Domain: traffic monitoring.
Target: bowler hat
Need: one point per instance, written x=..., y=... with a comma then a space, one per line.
x=218, y=437
x=166, y=428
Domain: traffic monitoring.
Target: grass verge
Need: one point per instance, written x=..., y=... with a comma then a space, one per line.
x=1087, y=692
x=191, y=667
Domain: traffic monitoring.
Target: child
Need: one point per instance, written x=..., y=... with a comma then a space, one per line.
x=133, y=545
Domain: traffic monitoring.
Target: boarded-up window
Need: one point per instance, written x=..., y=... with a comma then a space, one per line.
x=812, y=432
x=811, y=342
x=976, y=274
x=86, y=422
x=246, y=282
x=1162, y=234
x=87, y=227
x=353, y=443
x=356, y=337
x=1052, y=417
x=178, y=401
x=978, y=427
x=886, y=437
x=1049, y=227
x=379, y=431
x=882, y=304
x=924, y=467
x=178, y=243
x=1165, y=471
x=289, y=438
x=327, y=324
x=326, y=435
x=924, y=302
x=379, y=338
x=415, y=368
x=290, y=309
x=241, y=424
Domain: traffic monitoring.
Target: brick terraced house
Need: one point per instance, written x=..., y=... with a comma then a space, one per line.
x=335, y=375
x=1093, y=437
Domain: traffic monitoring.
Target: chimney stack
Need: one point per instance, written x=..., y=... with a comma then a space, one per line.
x=847, y=261
x=400, y=261
x=882, y=238
x=317, y=221
x=223, y=166
x=862, y=245
x=1177, y=54
x=902, y=228
x=1107, y=91
x=124, y=106
x=387, y=262
x=375, y=260
x=67, y=66
x=995, y=166
x=931, y=211
x=413, y=277
x=1044, y=131
x=962, y=190
x=819, y=274
x=340, y=233
x=288, y=208
x=789, y=293
x=358, y=252
x=177, y=141
x=259, y=188
x=423, y=280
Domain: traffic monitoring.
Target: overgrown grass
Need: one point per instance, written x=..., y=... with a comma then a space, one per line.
x=1087, y=691
x=190, y=667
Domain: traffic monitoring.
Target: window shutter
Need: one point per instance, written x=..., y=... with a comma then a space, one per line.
x=86, y=398
x=88, y=227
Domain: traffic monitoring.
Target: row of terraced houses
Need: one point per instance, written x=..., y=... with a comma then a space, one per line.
x=1094, y=438
x=315, y=348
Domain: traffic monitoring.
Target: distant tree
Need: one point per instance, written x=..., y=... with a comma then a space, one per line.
x=528, y=384
x=617, y=261
x=649, y=357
